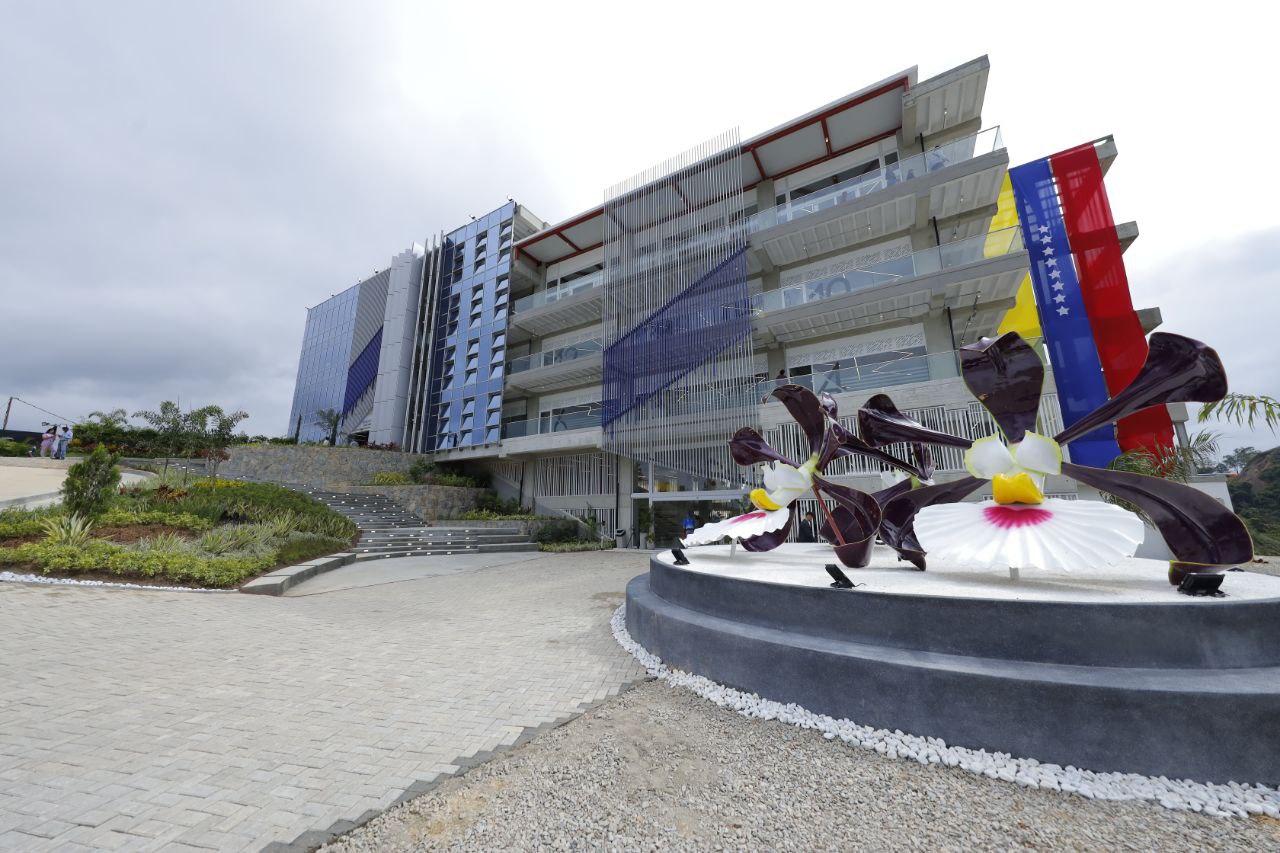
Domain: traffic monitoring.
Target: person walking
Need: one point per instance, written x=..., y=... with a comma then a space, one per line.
x=64, y=438
x=807, y=529
x=47, y=441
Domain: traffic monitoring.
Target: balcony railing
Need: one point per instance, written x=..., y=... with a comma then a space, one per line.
x=926, y=261
x=559, y=355
x=564, y=291
x=933, y=160
x=551, y=423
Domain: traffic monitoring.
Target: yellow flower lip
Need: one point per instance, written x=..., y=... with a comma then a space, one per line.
x=1017, y=488
x=760, y=498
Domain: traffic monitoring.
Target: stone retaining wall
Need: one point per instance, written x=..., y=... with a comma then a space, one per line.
x=430, y=503
x=333, y=468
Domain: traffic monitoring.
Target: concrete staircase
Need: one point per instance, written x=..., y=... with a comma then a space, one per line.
x=388, y=530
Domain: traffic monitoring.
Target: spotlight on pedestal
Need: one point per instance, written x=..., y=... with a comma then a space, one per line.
x=841, y=579
x=681, y=559
x=1201, y=583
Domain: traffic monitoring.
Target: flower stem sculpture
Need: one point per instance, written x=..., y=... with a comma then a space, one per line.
x=852, y=524
x=1023, y=529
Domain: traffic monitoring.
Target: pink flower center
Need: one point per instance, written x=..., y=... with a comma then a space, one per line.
x=1006, y=517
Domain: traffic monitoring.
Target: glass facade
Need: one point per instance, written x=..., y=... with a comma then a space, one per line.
x=323, y=366
x=472, y=305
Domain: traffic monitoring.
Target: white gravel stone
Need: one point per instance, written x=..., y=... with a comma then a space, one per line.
x=1228, y=800
x=14, y=577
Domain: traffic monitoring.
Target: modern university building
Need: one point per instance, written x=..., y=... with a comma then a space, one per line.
x=599, y=365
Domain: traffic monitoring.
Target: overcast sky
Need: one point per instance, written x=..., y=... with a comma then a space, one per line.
x=179, y=181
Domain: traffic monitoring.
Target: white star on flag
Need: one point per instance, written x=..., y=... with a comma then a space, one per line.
x=1044, y=229
x=1048, y=250
x=1063, y=311
x=1057, y=285
x=1052, y=262
x=1046, y=238
x=1059, y=298
x=1055, y=274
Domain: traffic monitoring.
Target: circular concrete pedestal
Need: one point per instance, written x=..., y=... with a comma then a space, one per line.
x=1115, y=673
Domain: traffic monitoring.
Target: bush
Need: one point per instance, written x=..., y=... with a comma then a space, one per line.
x=9, y=447
x=181, y=567
x=556, y=530
x=489, y=501
x=391, y=478
x=458, y=480
x=91, y=484
x=490, y=515
x=420, y=471
x=66, y=529
x=564, y=547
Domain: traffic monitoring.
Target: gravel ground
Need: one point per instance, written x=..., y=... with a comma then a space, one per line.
x=660, y=768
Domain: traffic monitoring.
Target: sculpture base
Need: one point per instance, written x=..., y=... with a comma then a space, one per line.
x=1114, y=673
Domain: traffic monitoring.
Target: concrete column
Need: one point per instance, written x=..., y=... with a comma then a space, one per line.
x=766, y=195
x=777, y=360
x=626, y=485
x=937, y=339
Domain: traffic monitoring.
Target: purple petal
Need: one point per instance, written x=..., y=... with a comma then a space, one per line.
x=1177, y=370
x=749, y=447
x=881, y=423
x=772, y=539
x=1006, y=376
x=1196, y=527
x=897, y=528
x=841, y=442
x=857, y=517
x=806, y=410
x=924, y=460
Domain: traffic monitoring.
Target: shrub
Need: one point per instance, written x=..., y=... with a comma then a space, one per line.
x=22, y=522
x=420, y=471
x=235, y=537
x=490, y=502
x=71, y=530
x=164, y=543
x=490, y=515
x=306, y=547
x=448, y=479
x=9, y=447
x=556, y=530
x=391, y=478
x=91, y=484
x=564, y=547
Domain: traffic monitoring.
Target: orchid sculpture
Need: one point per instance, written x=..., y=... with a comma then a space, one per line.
x=1023, y=528
x=852, y=524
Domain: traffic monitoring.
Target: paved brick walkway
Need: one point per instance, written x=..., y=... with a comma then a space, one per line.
x=149, y=720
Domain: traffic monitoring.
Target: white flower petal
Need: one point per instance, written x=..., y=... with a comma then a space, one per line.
x=988, y=457
x=739, y=527
x=784, y=484
x=1055, y=536
x=1039, y=453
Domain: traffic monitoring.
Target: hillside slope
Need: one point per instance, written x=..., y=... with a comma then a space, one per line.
x=1256, y=495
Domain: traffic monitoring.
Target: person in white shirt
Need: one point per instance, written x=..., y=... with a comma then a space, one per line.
x=64, y=438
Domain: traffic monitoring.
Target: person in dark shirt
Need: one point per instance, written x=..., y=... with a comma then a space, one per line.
x=807, y=529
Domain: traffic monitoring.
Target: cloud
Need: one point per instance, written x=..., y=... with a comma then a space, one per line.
x=1225, y=292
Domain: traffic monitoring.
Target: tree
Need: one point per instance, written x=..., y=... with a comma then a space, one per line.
x=330, y=419
x=90, y=483
x=1244, y=409
x=170, y=427
x=114, y=419
x=210, y=432
x=1238, y=458
x=1177, y=463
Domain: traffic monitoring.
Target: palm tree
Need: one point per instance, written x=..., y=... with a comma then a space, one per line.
x=1244, y=409
x=330, y=419
x=1177, y=463
x=115, y=419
